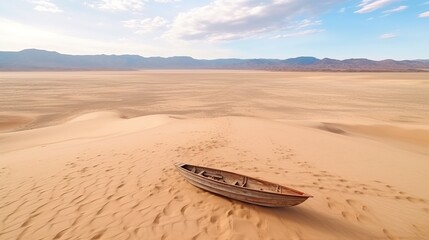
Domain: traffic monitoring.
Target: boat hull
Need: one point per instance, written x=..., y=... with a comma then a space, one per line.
x=261, y=198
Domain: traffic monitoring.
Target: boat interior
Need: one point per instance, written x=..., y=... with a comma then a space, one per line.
x=240, y=180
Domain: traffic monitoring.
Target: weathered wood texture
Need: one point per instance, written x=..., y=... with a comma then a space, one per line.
x=240, y=187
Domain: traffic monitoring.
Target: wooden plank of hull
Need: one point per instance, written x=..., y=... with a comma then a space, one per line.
x=262, y=198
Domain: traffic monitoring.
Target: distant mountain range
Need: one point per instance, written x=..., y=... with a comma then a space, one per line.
x=41, y=60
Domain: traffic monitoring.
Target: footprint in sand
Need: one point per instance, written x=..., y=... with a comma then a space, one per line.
x=332, y=204
x=213, y=219
x=98, y=235
x=183, y=209
x=349, y=216
x=388, y=234
x=156, y=219
x=168, y=209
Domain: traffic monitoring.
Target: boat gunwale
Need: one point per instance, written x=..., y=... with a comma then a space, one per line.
x=299, y=194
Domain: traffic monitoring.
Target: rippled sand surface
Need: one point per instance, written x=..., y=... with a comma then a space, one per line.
x=89, y=155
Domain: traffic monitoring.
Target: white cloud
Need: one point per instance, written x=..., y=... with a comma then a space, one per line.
x=299, y=33
x=46, y=6
x=17, y=36
x=387, y=36
x=228, y=20
x=367, y=6
x=395, y=10
x=425, y=14
x=166, y=1
x=306, y=23
x=117, y=5
x=146, y=25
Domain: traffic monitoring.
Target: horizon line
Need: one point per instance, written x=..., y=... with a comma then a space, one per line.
x=188, y=56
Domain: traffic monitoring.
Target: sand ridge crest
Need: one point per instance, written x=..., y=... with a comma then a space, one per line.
x=92, y=126
x=415, y=138
x=100, y=115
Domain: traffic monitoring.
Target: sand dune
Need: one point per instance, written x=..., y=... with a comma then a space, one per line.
x=412, y=138
x=86, y=127
x=104, y=175
x=110, y=185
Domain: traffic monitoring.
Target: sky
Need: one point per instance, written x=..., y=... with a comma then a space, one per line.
x=208, y=29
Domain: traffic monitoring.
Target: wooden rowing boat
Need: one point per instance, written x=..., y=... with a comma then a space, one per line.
x=240, y=187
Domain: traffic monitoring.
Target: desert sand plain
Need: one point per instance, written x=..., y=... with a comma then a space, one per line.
x=89, y=155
